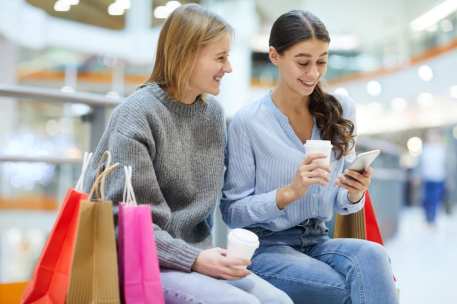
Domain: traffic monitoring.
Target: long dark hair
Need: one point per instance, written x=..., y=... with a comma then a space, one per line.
x=297, y=26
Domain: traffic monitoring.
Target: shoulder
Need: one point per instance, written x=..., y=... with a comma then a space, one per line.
x=250, y=113
x=136, y=112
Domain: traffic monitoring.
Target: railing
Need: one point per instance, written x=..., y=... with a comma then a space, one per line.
x=99, y=105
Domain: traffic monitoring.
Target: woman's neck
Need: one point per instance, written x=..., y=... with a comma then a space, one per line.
x=189, y=97
x=289, y=102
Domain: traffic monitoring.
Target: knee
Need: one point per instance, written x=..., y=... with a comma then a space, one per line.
x=374, y=253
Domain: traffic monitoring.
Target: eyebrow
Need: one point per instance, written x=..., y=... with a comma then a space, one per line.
x=309, y=55
x=221, y=53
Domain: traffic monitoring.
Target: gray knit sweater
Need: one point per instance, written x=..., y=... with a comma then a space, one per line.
x=177, y=154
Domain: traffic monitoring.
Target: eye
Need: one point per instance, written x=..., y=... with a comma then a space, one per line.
x=322, y=62
x=303, y=63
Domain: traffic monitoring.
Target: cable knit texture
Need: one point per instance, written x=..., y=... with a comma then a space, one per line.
x=177, y=154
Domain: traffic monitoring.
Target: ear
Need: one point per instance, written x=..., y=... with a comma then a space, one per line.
x=274, y=55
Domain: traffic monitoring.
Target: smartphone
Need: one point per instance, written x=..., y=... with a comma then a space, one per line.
x=364, y=160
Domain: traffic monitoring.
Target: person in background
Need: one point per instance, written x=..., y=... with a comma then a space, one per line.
x=173, y=136
x=433, y=174
x=285, y=196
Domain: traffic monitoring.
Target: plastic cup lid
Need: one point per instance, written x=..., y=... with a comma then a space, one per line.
x=318, y=143
x=244, y=235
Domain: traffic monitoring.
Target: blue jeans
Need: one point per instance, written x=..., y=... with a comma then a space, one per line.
x=433, y=196
x=312, y=268
x=185, y=288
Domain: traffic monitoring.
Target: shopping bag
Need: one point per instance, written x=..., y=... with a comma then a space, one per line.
x=373, y=233
x=138, y=263
x=49, y=282
x=359, y=225
x=94, y=272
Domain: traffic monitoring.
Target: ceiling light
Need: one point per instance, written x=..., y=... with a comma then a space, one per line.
x=434, y=15
x=62, y=6
x=163, y=11
x=116, y=9
x=374, y=88
x=172, y=5
x=125, y=4
x=425, y=73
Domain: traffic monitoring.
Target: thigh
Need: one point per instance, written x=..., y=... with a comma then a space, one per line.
x=182, y=288
x=364, y=264
x=303, y=278
x=342, y=254
x=262, y=290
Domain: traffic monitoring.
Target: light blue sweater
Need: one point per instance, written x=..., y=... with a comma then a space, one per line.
x=262, y=155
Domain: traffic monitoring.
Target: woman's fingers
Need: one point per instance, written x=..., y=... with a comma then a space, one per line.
x=351, y=184
x=312, y=157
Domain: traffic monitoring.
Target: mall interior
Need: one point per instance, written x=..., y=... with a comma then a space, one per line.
x=65, y=64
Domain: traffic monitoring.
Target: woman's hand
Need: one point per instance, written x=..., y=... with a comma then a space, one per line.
x=311, y=171
x=215, y=263
x=356, y=183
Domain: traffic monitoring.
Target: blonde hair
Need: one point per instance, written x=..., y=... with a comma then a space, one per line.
x=189, y=28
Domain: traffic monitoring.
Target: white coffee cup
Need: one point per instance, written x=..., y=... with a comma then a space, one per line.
x=319, y=146
x=242, y=243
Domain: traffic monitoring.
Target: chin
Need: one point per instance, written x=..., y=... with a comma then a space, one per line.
x=304, y=91
x=213, y=91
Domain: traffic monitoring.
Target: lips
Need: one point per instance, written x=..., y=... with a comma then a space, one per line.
x=307, y=84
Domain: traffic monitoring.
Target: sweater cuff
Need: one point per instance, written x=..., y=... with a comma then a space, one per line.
x=188, y=257
x=177, y=256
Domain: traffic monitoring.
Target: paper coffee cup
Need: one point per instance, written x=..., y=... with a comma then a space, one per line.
x=319, y=146
x=242, y=243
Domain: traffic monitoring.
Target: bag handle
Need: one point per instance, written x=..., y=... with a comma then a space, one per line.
x=129, y=195
x=98, y=188
x=86, y=161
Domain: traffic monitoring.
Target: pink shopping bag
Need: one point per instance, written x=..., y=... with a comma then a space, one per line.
x=138, y=262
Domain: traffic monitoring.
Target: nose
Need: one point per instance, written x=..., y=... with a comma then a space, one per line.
x=313, y=72
x=227, y=67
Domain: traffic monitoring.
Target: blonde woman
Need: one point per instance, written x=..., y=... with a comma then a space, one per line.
x=173, y=136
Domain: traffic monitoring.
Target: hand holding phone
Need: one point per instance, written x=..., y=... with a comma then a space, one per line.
x=364, y=160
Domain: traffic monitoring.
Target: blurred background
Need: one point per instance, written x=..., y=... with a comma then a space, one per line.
x=65, y=64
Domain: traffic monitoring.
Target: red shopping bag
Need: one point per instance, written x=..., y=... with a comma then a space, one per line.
x=138, y=262
x=52, y=273
x=373, y=233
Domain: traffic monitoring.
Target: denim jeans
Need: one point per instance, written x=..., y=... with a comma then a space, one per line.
x=433, y=196
x=312, y=268
x=185, y=288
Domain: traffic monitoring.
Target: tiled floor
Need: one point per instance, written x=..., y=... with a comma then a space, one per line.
x=425, y=259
